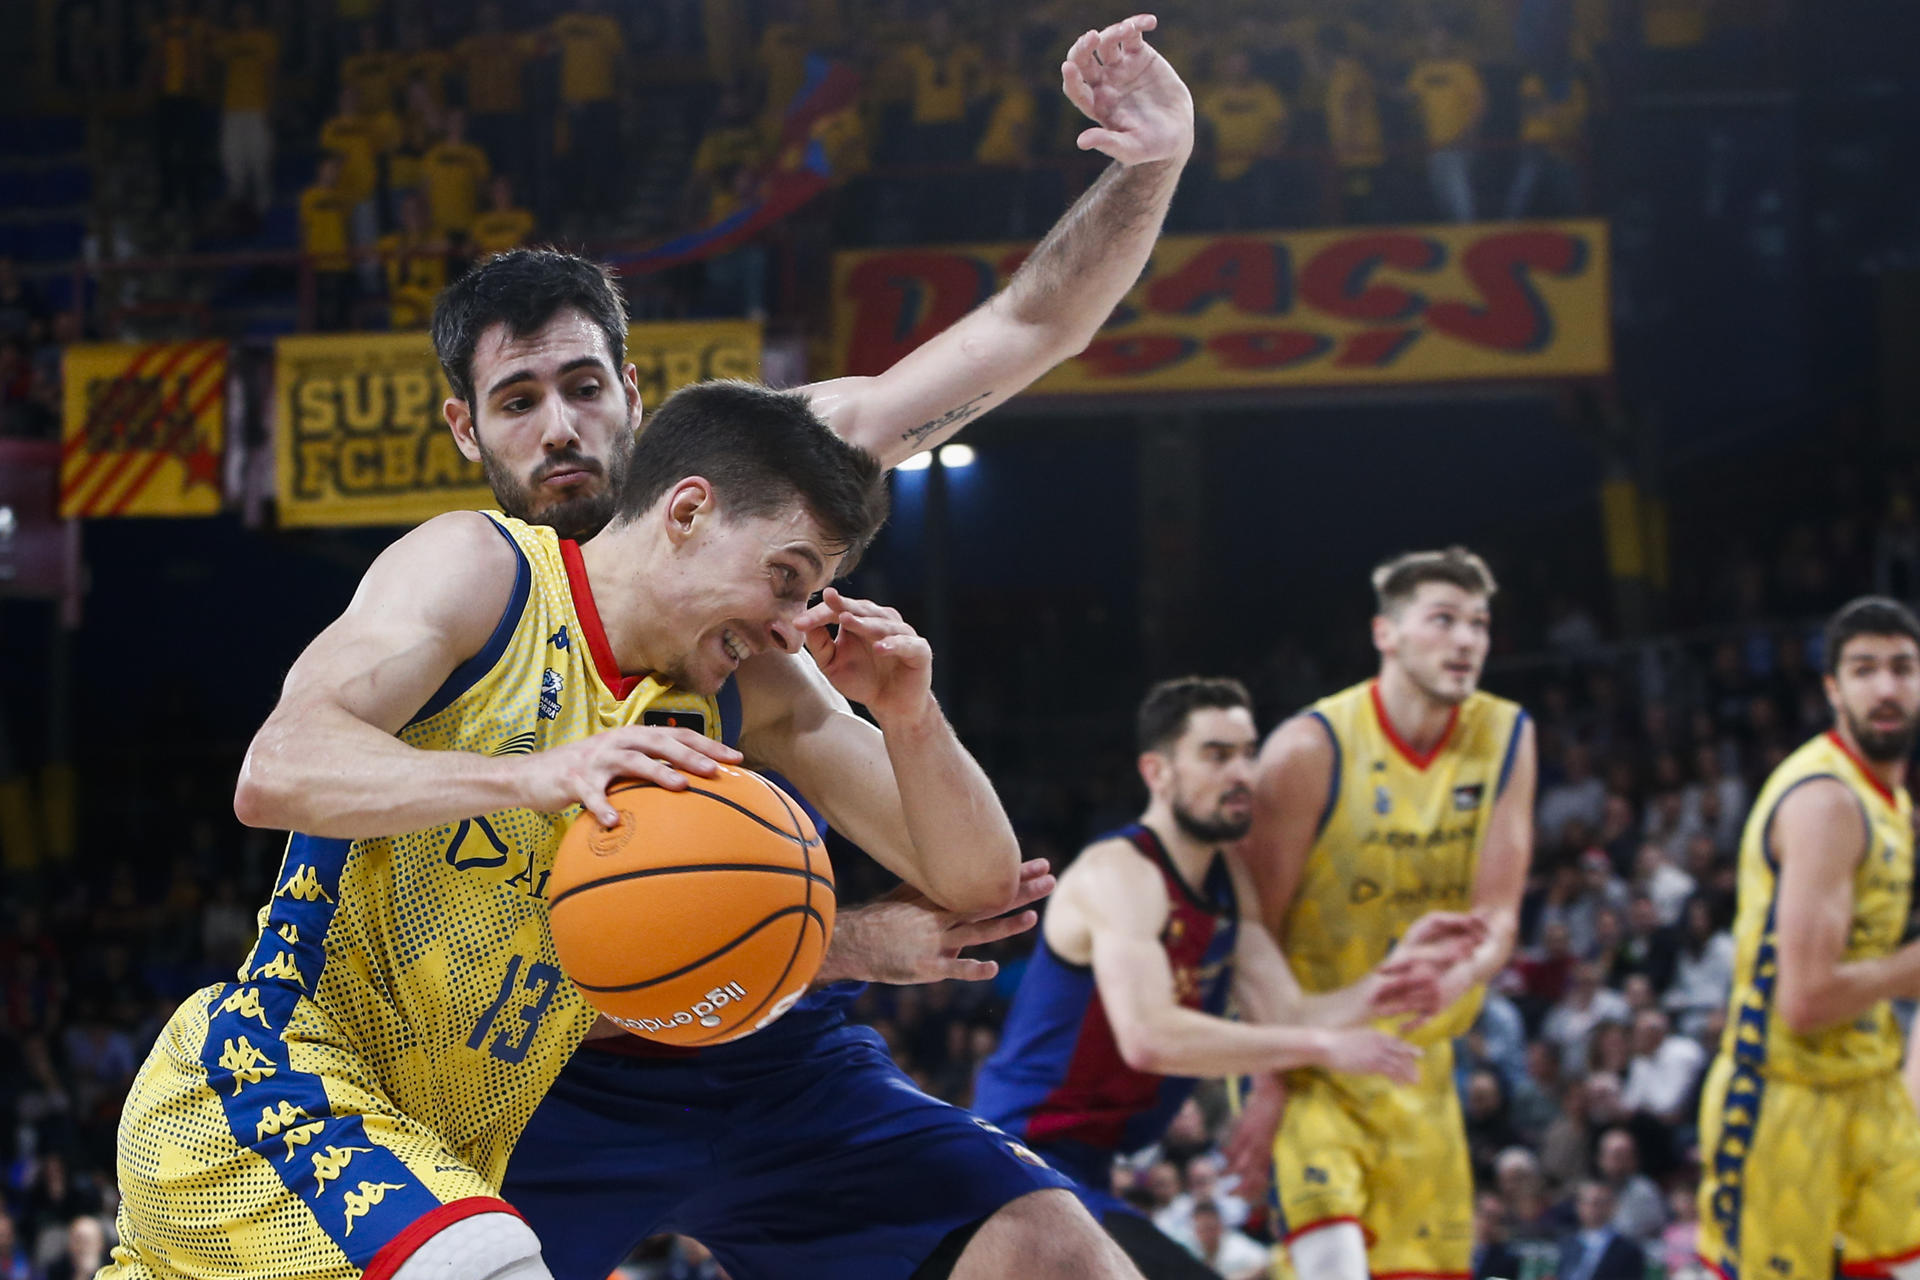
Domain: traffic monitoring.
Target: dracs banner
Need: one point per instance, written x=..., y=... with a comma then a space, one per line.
x=1355, y=306
x=361, y=437
x=144, y=425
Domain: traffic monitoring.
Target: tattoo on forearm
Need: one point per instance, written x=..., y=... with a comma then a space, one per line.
x=952, y=417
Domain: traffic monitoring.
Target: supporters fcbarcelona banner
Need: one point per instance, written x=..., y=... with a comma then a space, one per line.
x=1279, y=309
x=144, y=425
x=360, y=437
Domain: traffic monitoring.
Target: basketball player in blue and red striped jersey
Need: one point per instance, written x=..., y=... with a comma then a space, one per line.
x=1151, y=931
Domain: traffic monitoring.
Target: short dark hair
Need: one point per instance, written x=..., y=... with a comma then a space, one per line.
x=1165, y=710
x=761, y=450
x=1395, y=580
x=1867, y=616
x=523, y=289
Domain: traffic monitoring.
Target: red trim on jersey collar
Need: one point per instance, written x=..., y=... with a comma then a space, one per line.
x=1417, y=759
x=395, y=1252
x=1886, y=792
x=591, y=628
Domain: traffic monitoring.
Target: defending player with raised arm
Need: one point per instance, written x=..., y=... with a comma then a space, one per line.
x=1807, y=1133
x=1150, y=932
x=1408, y=793
x=560, y=468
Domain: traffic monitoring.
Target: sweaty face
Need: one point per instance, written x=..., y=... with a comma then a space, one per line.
x=552, y=422
x=1875, y=692
x=737, y=587
x=1439, y=638
x=1209, y=776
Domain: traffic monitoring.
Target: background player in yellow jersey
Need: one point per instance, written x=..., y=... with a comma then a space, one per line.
x=1407, y=794
x=1806, y=1132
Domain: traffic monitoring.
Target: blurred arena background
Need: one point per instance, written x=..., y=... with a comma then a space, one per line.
x=1624, y=294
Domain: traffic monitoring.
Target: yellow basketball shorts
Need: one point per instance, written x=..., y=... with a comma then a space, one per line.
x=1391, y=1159
x=1791, y=1169
x=244, y=1153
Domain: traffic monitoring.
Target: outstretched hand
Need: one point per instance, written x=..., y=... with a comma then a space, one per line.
x=1140, y=108
x=905, y=937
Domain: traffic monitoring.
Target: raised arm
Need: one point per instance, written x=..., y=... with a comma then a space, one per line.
x=907, y=791
x=1819, y=837
x=327, y=763
x=1064, y=291
x=1117, y=902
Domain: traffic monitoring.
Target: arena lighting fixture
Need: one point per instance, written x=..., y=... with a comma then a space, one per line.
x=956, y=455
x=918, y=462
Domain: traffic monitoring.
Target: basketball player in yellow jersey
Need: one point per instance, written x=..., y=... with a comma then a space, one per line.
x=346, y=1107
x=1408, y=794
x=1807, y=1134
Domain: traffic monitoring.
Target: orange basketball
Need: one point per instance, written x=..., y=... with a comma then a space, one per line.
x=699, y=919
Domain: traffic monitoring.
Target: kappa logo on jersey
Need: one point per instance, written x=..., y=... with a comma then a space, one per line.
x=245, y=1001
x=285, y=1121
x=303, y=884
x=281, y=966
x=1468, y=796
x=560, y=639
x=675, y=720
x=332, y=1162
x=362, y=1200
x=248, y=1064
x=549, y=694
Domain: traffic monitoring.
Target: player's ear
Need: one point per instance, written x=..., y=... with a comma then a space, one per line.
x=1153, y=767
x=460, y=422
x=1382, y=632
x=630, y=383
x=690, y=500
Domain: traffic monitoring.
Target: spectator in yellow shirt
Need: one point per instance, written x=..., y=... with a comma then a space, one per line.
x=945, y=74
x=592, y=48
x=1354, y=134
x=373, y=72
x=420, y=128
x=493, y=65
x=250, y=57
x=419, y=60
x=1452, y=101
x=416, y=265
x=324, y=212
x=504, y=225
x=454, y=171
x=1006, y=140
x=1246, y=120
x=177, y=71
x=1553, y=127
x=362, y=142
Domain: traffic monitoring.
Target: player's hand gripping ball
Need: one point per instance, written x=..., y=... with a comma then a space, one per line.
x=703, y=916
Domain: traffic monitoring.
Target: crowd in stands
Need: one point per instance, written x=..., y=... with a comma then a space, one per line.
x=627, y=123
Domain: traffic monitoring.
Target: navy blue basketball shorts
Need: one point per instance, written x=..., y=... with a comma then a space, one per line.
x=821, y=1160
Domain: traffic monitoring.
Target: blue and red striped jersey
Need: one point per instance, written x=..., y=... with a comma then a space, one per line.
x=1058, y=1081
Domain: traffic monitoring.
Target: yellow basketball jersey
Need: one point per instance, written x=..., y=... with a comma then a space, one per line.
x=1400, y=837
x=1756, y=1038
x=427, y=956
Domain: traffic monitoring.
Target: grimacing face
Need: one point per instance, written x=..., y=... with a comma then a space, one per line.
x=1875, y=692
x=1439, y=638
x=735, y=585
x=1207, y=775
x=552, y=421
